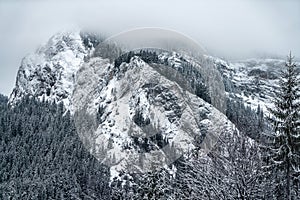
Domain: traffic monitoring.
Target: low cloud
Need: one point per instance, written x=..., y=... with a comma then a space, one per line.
x=233, y=29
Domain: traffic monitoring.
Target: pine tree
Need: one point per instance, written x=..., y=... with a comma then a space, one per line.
x=285, y=152
x=42, y=156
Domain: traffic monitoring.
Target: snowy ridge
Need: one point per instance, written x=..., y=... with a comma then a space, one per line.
x=252, y=81
x=137, y=116
x=50, y=72
x=138, y=104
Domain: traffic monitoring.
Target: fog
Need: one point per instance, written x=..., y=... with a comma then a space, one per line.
x=234, y=29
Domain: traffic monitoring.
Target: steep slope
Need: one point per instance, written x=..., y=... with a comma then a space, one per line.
x=50, y=72
x=134, y=119
x=42, y=157
x=252, y=81
x=185, y=121
x=144, y=109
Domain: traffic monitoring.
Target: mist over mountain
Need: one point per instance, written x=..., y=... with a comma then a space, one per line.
x=99, y=120
x=233, y=30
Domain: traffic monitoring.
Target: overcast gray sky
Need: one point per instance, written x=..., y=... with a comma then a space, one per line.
x=234, y=29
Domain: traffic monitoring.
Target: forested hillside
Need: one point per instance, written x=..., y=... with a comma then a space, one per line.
x=42, y=157
x=86, y=120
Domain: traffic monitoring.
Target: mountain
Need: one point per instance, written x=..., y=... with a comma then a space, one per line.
x=253, y=80
x=145, y=108
x=50, y=72
x=166, y=124
x=142, y=117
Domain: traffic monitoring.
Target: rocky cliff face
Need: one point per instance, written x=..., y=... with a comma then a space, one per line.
x=134, y=118
x=252, y=81
x=149, y=108
x=50, y=72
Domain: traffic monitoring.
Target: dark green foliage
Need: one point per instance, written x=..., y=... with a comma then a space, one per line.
x=195, y=79
x=42, y=157
x=3, y=100
x=124, y=58
x=158, y=94
x=213, y=176
x=153, y=185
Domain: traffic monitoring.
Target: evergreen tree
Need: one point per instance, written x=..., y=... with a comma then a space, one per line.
x=285, y=152
x=42, y=157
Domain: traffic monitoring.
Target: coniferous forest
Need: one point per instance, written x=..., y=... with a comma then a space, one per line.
x=150, y=100
x=42, y=157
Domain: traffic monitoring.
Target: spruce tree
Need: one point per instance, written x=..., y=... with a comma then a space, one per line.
x=285, y=152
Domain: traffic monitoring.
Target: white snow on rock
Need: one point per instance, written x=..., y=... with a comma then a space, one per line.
x=117, y=140
x=50, y=72
x=115, y=110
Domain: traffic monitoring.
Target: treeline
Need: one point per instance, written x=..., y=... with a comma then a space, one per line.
x=189, y=72
x=145, y=55
x=42, y=157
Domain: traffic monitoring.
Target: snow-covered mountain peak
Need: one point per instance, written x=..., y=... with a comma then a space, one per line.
x=50, y=72
x=62, y=41
x=143, y=108
x=134, y=118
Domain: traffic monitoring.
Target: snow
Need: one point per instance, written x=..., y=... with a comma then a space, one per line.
x=238, y=73
x=60, y=57
x=121, y=97
x=83, y=87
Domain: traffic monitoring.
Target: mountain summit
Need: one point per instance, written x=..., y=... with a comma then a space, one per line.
x=145, y=108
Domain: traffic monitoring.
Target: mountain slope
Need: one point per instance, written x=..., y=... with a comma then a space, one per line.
x=146, y=107
x=253, y=81
x=42, y=157
x=134, y=119
x=166, y=125
x=50, y=72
